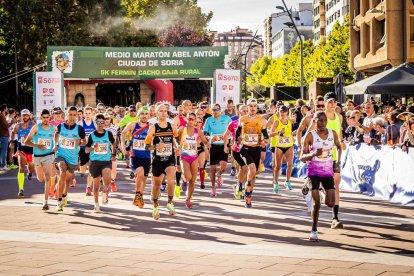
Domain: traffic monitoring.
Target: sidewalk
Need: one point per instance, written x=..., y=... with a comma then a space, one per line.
x=219, y=236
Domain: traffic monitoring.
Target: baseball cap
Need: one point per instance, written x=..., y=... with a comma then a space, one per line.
x=328, y=96
x=57, y=110
x=143, y=109
x=283, y=108
x=25, y=112
x=252, y=101
x=132, y=107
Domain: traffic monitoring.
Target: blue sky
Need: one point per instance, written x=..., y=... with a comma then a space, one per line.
x=244, y=13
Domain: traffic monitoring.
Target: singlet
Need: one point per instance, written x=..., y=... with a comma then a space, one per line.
x=273, y=139
x=189, y=143
x=216, y=128
x=138, y=142
x=183, y=122
x=56, y=123
x=322, y=166
x=44, y=137
x=88, y=130
x=251, y=131
x=335, y=125
x=21, y=136
x=166, y=136
x=104, y=148
x=233, y=128
x=284, y=140
x=68, y=149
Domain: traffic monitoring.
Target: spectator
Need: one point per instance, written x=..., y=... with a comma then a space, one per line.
x=350, y=106
x=229, y=111
x=4, y=137
x=393, y=129
x=380, y=136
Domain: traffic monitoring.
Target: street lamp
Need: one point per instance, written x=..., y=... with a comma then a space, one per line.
x=290, y=25
x=245, y=67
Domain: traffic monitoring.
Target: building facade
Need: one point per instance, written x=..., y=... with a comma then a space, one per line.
x=319, y=20
x=286, y=39
x=336, y=11
x=238, y=42
x=382, y=34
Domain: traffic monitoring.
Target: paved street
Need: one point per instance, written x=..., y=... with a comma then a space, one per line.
x=219, y=236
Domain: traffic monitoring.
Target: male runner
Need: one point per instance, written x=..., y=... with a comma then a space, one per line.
x=89, y=127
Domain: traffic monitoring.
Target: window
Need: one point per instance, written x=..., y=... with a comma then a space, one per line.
x=412, y=28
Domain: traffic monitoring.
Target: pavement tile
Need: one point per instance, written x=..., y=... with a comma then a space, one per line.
x=30, y=263
x=351, y=271
x=388, y=268
x=395, y=274
x=119, y=270
x=207, y=268
x=149, y=258
x=249, y=272
x=100, y=249
x=98, y=255
x=138, y=251
x=158, y=265
x=330, y=263
x=158, y=272
x=295, y=268
x=32, y=271
x=114, y=262
x=78, y=273
x=64, y=265
x=243, y=264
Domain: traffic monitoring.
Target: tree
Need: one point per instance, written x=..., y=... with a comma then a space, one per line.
x=181, y=35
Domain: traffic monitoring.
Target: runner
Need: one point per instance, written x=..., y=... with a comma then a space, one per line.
x=40, y=139
x=282, y=131
x=140, y=157
x=129, y=118
x=318, y=152
x=162, y=136
x=114, y=130
x=89, y=127
x=201, y=152
x=216, y=126
x=251, y=128
x=100, y=145
x=68, y=137
x=24, y=152
x=235, y=148
x=190, y=138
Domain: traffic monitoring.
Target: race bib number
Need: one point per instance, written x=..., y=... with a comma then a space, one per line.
x=102, y=149
x=66, y=143
x=190, y=147
x=45, y=142
x=326, y=155
x=284, y=141
x=217, y=138
x=251, y=139
x=138, y=144
x=166, y=150
x=22, y=140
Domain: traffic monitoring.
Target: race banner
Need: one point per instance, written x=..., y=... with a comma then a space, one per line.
x=48, y=91
x=227, y=85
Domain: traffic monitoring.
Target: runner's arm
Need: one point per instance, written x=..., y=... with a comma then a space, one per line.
x=56, y=138
x=339, y=148
x=274, y=127
x=28, y=141
x=150, y=138
x=302, y=126
x=305, y=154
x=89, y=144
x=126, y=132
x=13, y=136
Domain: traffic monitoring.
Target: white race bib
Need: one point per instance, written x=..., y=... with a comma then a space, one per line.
x=327, y=155
x=67, y=143
x=45, y=142
x=166, y=150
x=22, y=140
x=251, y=139
x=138, y=144
x=284, y=141
x=102, y=149
x=190, y=147
x=217, y=138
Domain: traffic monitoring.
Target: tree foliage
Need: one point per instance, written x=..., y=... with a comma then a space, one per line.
x=182, y=35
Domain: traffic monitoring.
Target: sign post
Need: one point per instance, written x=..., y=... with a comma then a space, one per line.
x=48, y=91
x=227, y=86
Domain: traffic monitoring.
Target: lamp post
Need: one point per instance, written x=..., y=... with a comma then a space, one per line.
x=285, y=9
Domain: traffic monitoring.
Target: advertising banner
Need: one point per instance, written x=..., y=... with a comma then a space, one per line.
x=227, y=84
x=48, y=93
x=136, y=63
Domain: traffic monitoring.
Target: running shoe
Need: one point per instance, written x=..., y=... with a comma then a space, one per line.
x=188, y=204
x=88, y=191
x=177, y=191
x=113, y=186
x=171, y=208
x=336, y=224
x=163, y=187
x=132, y=175
x=205, y=174
x=45, y=207
x=184, y=187
x=20, y=194
x=96, y=208
x=155, y=213
x=309, y=202
x=261, y=167
x=236, y=191
x=233, y=172
x=241, y=191
x=65, y=201
x=73, y=183
x=248, y=199
x=306, y=186
x=276, y=188
x=202, y=186
x=288, y=185
x=105, y=197
x=29, y=176
x=213, y=191
x=59, y=206
x=219, y=181
x=13, y=166
x=139, y=200
x=313, y=236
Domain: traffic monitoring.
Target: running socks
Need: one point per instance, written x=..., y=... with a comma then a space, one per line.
x=202, y=176
x=20, y=180
x=170, y=199
x=335, y=210
x=177, y=178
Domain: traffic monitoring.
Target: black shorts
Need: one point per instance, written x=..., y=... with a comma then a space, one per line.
x=96, y=167
x=238, y=158
x=284, y=150
x=272, y=149
x=159, y=167
x=217, y=154
x=141, y=162
x=83, y=157
x=327, y=182
x=251, y=155
x=71, y=168
x=263, y=149
x=178, y=159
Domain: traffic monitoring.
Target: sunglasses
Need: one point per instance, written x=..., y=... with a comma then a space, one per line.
x=191, y=119
x=352, y=117
x=132, y=111
x=100, y=122
x=203, y=107
x=107, y=118
x=320, y=105
x=143, y=113
x=216, y=109
x=199, y=122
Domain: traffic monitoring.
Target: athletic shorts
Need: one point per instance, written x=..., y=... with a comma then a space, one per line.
x=70, y=167
x=178, y=160
x=141, y=162
x=96, y=167
x=251, y=155
x=284, y=150
x=29, y=157
x=263, y=149
x=42, y=160
x=327, y=182
x=237, y=157
x=83, y=157
x=217, y=154
x=159, y=167
x=272, y=149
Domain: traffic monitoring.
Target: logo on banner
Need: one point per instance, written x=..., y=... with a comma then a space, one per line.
x=367, y=177
x=220, y=77
x=224, y=87
x=62, y=61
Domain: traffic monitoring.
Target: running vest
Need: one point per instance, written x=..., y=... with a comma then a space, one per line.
x=21, y=136
x=138, y=142
x=189, y=143
x=284, y=140
x=251, y=131
x=166, y=136
x=88, y=130
x=104, y=148
x=273, y=139
x=335, y=125
x=44, y=137
x=322, y=166
x=68, y=149
x=233, y=128
x=183, y=122
x=216, y=128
